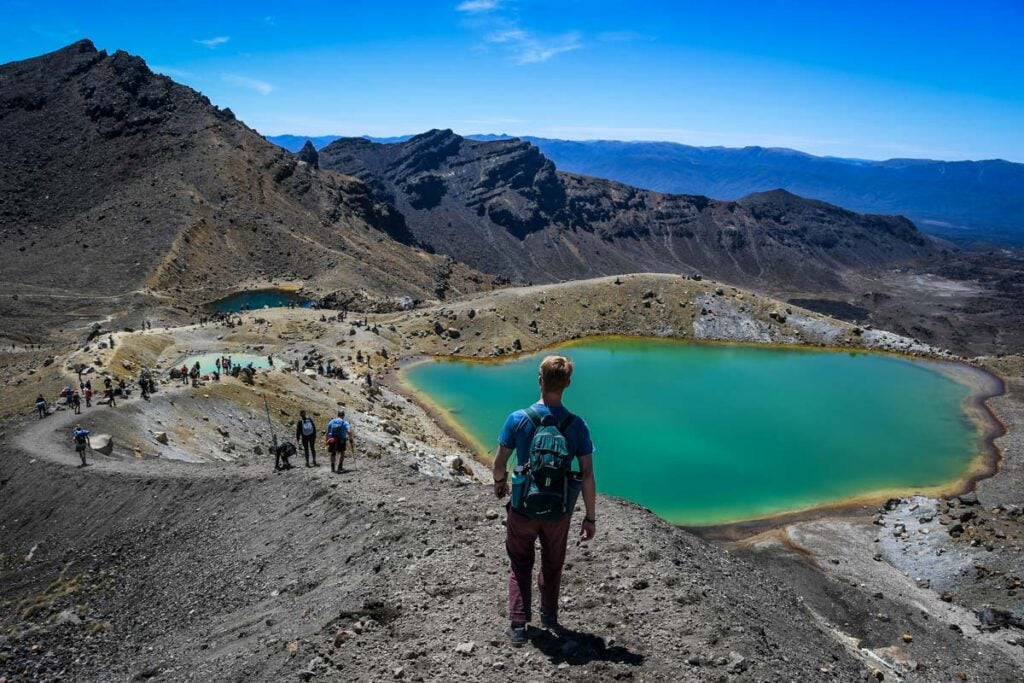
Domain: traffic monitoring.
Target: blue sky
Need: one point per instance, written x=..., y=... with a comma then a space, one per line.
x=864, y=79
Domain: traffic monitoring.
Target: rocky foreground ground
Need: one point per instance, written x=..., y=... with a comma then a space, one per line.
x=143, y=566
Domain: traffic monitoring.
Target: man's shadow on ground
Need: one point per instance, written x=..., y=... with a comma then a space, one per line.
x=578, y=648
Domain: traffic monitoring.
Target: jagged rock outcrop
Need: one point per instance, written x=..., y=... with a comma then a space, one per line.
x=502, y=207
x=309, y=154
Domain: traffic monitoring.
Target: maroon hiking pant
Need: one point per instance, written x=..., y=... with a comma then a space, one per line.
x=522, y=533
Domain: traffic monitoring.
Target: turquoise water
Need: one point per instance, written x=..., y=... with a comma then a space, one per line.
x=207, y=360
x=256, y=299
x=703, y=434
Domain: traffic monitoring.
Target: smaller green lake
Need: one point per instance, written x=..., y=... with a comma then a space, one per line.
x=706, y=434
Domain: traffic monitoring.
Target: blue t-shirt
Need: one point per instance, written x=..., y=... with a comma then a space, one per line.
x=338, y=428
x=518, y=432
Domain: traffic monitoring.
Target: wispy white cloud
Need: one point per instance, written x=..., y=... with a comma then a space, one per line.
x=262, y=87
x=477, y=6
x=529, y=48
x=214, y=42
x=170, y=71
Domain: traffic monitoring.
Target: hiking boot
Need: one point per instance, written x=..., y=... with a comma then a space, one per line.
x=516, y=635
x=549, y=622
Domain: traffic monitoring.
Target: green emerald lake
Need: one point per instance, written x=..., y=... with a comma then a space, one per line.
x=705, y=434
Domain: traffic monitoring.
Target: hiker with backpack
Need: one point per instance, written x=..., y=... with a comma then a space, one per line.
x=80, y=437
x=546, y=439
x=338, y=431
x=305, y=431
x=41, y=406
x=282, y=456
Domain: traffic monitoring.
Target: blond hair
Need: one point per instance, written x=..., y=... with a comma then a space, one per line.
x=555, y=373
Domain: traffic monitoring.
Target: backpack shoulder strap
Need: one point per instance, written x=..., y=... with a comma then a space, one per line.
x=566, y=423
x=534, y=416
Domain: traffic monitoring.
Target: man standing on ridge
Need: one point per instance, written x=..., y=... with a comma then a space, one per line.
x=305, y=431
x=546, y=438
x=338, y=433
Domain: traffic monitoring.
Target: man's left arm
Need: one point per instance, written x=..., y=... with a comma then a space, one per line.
x=589, y=525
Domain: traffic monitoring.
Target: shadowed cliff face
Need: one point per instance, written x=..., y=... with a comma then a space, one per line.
x=502, y=207
x=115, y=179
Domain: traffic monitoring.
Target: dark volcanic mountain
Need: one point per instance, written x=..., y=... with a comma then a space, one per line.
x=502, y=207
x=959, y=200
x=114, y=179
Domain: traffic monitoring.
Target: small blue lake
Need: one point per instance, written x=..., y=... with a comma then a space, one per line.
x=256, y=299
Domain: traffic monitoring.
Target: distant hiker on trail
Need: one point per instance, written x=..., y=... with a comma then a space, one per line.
x=194, y=374
x=41, y=406
x=109, y=394
x=111, y=339
x=216, y=364
x=305, y=432
x=546, y=438
x=80, y=437
x=184, y=374
x=338, y=433
x=144, y=386
x=88, y=396
x=270, y=359
x=76, y=403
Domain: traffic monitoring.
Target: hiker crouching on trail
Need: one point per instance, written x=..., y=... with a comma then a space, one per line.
x=305, y=431
x=282, y=456
x=546, y=438
x=339, y=431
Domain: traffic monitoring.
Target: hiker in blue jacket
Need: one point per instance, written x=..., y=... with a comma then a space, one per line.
x=338, y=431
x=80, y=437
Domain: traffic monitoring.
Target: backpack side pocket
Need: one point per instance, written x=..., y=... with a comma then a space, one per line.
x=520, y=484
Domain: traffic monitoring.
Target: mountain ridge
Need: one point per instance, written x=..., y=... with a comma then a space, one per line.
x=503, y=207
x=117, y=180
x=971, y=206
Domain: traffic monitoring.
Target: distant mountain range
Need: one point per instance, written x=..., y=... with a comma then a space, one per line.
x=502, y=207
x=959, y=200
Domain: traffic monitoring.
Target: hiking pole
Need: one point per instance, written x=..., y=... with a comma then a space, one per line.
x=270, y=423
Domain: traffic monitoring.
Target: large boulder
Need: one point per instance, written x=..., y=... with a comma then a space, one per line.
x=102, y=443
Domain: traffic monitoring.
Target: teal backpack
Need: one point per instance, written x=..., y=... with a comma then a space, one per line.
x=546, y=487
